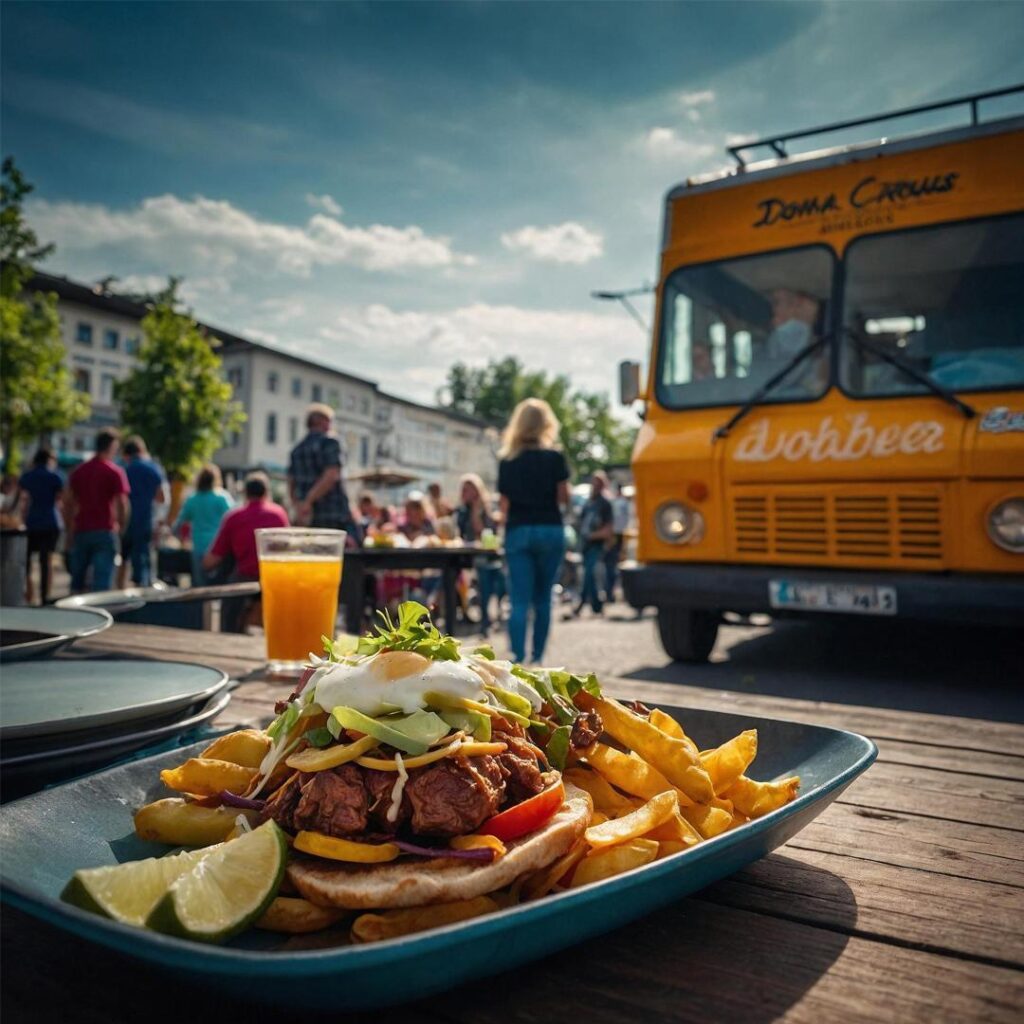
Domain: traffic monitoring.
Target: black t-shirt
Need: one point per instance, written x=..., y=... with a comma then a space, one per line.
x=530, y=482
x=597, y=512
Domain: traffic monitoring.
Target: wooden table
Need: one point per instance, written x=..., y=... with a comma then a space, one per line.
x=903, y=902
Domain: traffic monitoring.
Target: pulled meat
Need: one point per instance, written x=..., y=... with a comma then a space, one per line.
x=333, y=802
x=519, y=766
x=454, y=796
x=585, y=730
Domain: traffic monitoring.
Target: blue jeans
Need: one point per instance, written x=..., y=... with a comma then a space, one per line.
x=95, y=549
x=593, y=556
x=534, y=555
x=135, y=547
x=490, y=582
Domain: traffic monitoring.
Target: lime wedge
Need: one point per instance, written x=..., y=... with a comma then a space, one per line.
x=226, y=890
x=128, y=892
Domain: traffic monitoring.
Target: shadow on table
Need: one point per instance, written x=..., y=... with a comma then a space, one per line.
x=733, y=952
x=970, y=671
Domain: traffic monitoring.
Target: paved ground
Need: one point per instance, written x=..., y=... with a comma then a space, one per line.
x=975, y=673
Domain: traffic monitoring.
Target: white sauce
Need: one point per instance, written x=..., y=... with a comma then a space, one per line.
x=397, y=789
x=398, y=679
x=499, y=673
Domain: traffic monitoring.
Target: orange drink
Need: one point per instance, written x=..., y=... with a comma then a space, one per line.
x=300, y=573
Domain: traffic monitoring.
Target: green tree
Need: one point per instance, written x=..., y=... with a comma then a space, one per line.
x=36, y=391
x=591, y=435
x=176, y=397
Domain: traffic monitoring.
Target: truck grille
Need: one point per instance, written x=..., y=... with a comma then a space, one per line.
x=840, y=525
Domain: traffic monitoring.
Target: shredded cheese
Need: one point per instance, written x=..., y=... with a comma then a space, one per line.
x=242, y=824
x=397, y=789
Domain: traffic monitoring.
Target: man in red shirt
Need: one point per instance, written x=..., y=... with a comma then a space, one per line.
x=236, y=539
x=96, y=511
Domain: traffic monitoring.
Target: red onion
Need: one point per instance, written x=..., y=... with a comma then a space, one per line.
x=485, y=853
x=234, y=800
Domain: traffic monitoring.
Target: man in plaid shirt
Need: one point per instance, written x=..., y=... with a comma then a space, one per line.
x=314, y=477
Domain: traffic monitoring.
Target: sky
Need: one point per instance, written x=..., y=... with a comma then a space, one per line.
x=391, y=187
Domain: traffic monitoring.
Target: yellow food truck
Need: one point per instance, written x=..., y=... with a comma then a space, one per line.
x=834, y=405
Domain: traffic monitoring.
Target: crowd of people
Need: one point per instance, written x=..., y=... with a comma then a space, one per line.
x=116, y=503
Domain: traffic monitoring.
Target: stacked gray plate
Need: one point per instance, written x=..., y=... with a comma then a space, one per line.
x=61, y=717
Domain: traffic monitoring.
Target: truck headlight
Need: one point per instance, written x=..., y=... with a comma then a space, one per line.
x=1006, y=525
x=676, y=523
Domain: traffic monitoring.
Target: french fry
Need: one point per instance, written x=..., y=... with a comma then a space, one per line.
x=298, y=916
x=628, y=773
x=666, y=847
x=676, y=830
x=543, y=881
x=606, y=799
x=247, y=747
x=655, y=812
x=614, y=860
x=207, y=776
x=177, y=823
x=709, y=820
x=725, y=764
x=667, y=724
x=672, y=757
x=754, y=799
x=390, y=924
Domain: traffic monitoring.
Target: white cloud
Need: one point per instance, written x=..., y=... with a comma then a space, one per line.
x=203, y=233
x=324, y=202
x=697, y=99
x=560, y=243
x=668, y=144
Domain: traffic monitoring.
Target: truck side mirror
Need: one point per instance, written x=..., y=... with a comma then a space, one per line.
x=629, y=382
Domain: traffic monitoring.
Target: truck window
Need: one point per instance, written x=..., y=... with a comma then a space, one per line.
x=728, y=327
x=947, y=299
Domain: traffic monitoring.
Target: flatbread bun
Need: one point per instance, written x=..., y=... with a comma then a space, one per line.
x=416, y=883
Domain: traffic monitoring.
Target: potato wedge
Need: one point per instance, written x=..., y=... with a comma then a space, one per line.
x=543, y=881
x=603, y=864
x=668, y=725
x=389, y=924
x=708, y=819
x=655, y=812
x=606, y=799
x=725, y=764
x=207, y=776
x=632, y=774
x=666, y=847
x=298, y=916
x=246, y=747
x=675, y=829
x=177, y=823
x=670, y=756
x=754, y=799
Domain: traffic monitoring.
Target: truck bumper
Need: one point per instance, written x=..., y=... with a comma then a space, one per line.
x=962, y=597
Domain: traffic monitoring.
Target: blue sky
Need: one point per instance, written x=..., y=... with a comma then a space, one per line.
x=390, y=187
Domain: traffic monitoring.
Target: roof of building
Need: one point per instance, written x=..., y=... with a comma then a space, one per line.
x=106, y=301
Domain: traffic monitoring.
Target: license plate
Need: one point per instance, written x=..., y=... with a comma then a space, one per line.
x=849, y=598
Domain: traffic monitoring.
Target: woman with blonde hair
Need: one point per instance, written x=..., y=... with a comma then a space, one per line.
x=476, y=521
x=533, y=481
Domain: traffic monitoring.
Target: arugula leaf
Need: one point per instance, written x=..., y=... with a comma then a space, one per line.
x=411, y=634
x=341, y=647
x=557, y=749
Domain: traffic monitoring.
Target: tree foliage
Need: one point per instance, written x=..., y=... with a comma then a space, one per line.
x=176, y=397
x=591, y=436
x=36, y=391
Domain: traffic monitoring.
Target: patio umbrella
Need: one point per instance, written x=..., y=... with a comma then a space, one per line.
x=375, y=478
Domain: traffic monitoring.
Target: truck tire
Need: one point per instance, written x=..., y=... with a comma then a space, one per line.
x=687, y=634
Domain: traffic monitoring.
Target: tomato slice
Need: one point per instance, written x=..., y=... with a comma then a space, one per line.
x=525, y=817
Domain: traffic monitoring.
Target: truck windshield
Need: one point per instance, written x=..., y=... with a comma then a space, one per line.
x=729, y=327
x=948, y=301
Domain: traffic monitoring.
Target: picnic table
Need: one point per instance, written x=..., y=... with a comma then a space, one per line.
x=903, y=901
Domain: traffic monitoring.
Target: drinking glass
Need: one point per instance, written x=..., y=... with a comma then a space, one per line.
x=300, y=573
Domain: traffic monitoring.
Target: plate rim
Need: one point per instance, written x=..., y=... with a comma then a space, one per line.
x=225, y=960
x=31, y=648
x=167, y=703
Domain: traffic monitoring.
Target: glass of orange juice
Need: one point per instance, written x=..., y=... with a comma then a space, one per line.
x=300, y=573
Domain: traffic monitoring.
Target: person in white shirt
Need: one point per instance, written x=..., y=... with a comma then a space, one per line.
x=620, y=523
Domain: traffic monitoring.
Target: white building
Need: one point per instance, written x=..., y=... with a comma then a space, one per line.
x=102, y=333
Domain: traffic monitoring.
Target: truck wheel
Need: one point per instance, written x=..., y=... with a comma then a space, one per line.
x=687, y=634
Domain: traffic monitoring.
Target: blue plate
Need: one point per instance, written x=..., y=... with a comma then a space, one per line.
x=91, y=817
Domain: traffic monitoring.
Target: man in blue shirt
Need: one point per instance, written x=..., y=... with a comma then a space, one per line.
x=41, y=487
x=148, y=486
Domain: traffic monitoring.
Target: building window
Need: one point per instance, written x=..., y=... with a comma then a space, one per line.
x=131, y=346
x=293, y=429
x=296, y=387
x=333, y=399
x=83, y=335
x=79, y=444
x=83, y=380
x=235, y=376
x=317, y=393
x=350, y=401
x=271, y=428
x=272, y=382
x=364, y=451
x=110, y=339
x=107, y=388
x=234, y=439
x=364, y=405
